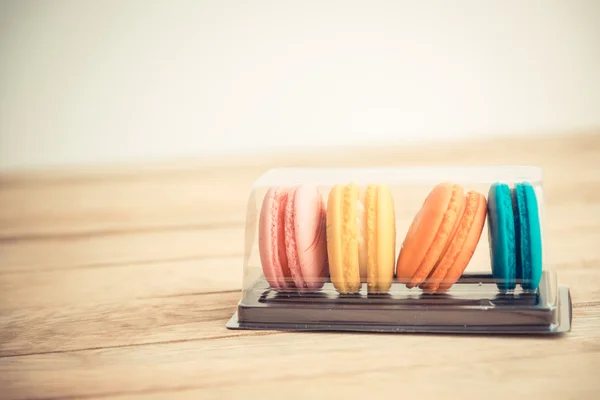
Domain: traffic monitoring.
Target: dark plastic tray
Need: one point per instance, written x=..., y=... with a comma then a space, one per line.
x=464, y=309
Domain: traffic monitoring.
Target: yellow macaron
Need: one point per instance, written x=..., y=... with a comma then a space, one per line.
x=361, y=238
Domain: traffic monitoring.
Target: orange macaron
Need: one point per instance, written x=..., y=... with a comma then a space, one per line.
x=442, y=238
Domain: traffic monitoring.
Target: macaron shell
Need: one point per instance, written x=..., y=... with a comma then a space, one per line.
x=535, y=236
x=422, y=231
x=454, y=229
x=383, y=245
x=531, y=241
x=449, y=219
x=345, y=278
x=350, y=238
x=271, y=239
x=520, y=213
x=372, y=239
x=308, y=216
x=502, y=236
x=452, y=265
x=290, y=240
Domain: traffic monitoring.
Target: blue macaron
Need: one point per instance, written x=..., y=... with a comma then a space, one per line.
x=514, y=235
x=501, y=228
x=529, y=266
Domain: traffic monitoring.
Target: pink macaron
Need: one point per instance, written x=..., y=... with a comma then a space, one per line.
x=292, y=238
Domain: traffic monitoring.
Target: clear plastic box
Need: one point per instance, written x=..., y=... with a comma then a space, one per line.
x=483, y=296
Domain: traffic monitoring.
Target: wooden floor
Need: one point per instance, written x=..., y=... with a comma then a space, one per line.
x=117, y=283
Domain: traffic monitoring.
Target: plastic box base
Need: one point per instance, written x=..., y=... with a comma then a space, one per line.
x=481, y=311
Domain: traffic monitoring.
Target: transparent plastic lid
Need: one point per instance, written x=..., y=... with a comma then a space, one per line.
x=445, y=249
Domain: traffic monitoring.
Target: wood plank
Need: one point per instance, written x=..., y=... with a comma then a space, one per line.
x=70, y=321
x=232, y=367
x=62, y=288
x=102, y=206
x=499, y=380
x=116, y=324
x=120, y=248
x=142, y=198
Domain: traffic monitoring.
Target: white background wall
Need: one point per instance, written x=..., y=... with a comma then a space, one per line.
x=101, y=81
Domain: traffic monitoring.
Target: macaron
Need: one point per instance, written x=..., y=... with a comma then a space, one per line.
x=515, y=236
x=292, y=238
x=502, y=236
x=361, y=238
x=442, y=238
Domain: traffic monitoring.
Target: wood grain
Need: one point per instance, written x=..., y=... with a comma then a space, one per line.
x=233, y=365
x=116, y=282
x=123, y=248
x=58, y=288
